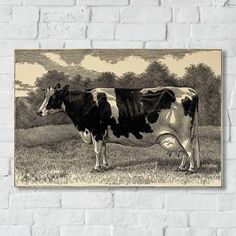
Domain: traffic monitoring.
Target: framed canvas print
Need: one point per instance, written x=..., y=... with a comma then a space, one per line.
x=136, y=117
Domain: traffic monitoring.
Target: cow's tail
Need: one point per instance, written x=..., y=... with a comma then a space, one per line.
x=195, y=135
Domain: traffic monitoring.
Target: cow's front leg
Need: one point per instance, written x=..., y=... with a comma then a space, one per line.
x=105, y=164
x=98, y=150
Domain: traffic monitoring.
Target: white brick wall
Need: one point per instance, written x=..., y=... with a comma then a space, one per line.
x=116, y=24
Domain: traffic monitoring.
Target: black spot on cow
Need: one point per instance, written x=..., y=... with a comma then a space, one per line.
x=154, y=102
x=131, y=114
x=190, y=106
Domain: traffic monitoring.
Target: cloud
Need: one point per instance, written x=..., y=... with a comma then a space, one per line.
x=128, y=64
x=210, y=58
x=26, y=74
x=55, y=58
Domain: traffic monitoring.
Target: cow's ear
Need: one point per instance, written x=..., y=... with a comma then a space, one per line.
x=65, y=89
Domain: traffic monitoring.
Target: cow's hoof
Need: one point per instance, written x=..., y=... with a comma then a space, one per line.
x=181, y=169
x=191, y=171
x=104, y=167
x=96, y=170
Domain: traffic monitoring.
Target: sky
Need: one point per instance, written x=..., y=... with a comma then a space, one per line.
x=31, y=64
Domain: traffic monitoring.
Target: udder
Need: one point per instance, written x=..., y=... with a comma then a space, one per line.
x=170, y=143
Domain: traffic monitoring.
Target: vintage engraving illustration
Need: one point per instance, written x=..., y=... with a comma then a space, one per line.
x=118, y=117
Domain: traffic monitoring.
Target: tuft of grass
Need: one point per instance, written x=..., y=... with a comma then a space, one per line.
x=61, y=158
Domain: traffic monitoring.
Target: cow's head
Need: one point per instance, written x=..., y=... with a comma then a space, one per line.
x=53, y=100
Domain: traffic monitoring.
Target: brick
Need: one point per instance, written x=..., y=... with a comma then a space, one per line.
x=140, y=32
x=145, y=3
x=3, y=199
x=45, y=231
x=186, y=15
x=226, y=202
x=7, y=47
x=145, y=15
x=232, y=116
x=137, y=231
x=226, y=232
x=6, y=82
x=139, y=200
x=58, y=14
x=4, y=166
x=187, y=3
x=5, y=14
x=214, y=219
x=7, y=149
x=6, y=98
x=230, y=65
x=85, y=231
x=213, y=31
x=49, y=3
x=34, y=200
x=232, y=102
x=50, y=44
x=165, y=44
x=218, y=15
x=59, y=217
x=14, y=217
x=7, y=65
x=117, y=44
x=103, y=2
x=178, y=32
x=233, y=134
x=101, y=31
x=15, y=230
x=8, y=118
x=189, y=232
x=25, y=14
x=11, y=2
x=83, y=43
x=6, y=140
x=18, y=31
x=230, y=150
x=190, y=202
x=62, y=30
x=87, y=200
x=6, y=184
x=105, y=14
x=135, y=217
x=228, y=47
x=111, y=216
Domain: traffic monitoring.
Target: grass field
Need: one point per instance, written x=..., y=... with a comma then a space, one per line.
x=61, y=158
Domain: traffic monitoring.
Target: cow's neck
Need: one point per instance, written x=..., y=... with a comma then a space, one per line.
x=73, y=102
x=74, y=107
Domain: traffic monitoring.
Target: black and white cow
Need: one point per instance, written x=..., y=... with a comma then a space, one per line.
x=137, y=117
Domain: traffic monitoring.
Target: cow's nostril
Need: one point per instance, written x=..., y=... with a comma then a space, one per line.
x=39, y=113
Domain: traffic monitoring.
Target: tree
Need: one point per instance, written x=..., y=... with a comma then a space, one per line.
x=207, y=84
x=158, y=74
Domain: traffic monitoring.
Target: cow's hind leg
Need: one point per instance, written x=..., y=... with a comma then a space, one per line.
x=183, y=165
x=105, y=164
x=190, y=154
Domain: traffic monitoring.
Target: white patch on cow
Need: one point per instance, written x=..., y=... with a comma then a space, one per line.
x=171, y=117
x=63, y=107
x=184, y=143
x=49, y=92
x=86, y=136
